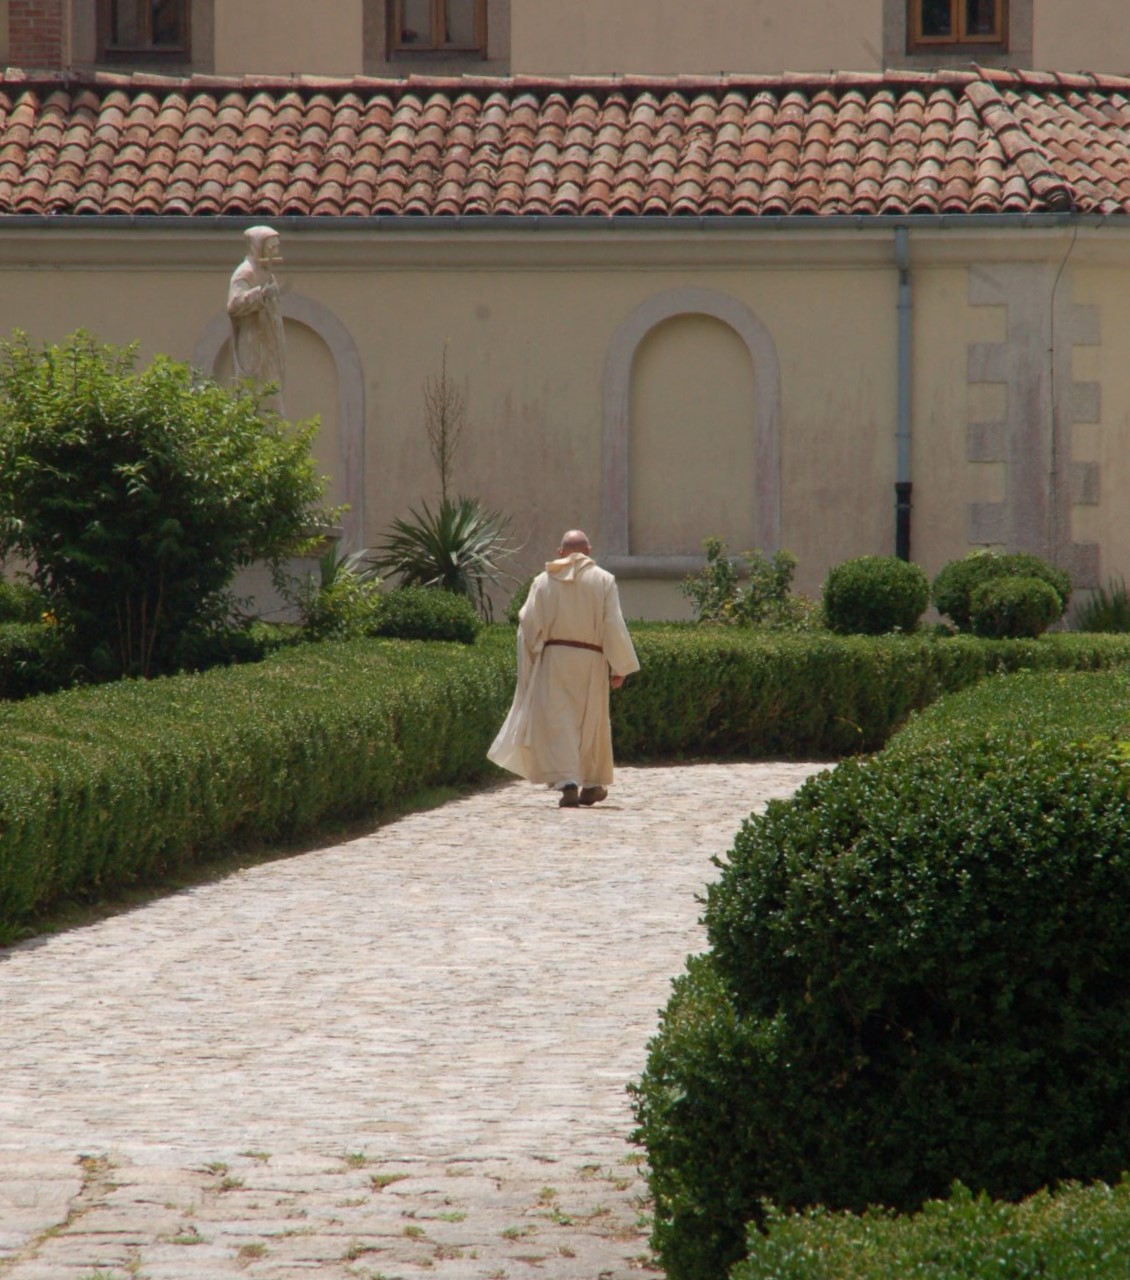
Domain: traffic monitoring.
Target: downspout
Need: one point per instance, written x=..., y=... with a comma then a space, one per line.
x=902, y=432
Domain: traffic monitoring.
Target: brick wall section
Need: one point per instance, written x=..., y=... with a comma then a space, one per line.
x=35, y=34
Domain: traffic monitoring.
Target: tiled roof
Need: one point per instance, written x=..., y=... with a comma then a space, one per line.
x=905, y=143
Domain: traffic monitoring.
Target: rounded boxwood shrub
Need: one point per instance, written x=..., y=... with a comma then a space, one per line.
x=917, y=975
x=875, y=594
x=1011, y=608
x=426, y=613
x=953, y=588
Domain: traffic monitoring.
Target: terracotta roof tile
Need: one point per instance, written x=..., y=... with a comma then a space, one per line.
x=910, y=142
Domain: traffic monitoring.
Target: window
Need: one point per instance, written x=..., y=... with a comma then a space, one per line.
x=443, y=25
x=143, y=26
x=957, y=22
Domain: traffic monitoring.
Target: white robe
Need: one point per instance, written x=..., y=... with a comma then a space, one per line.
x=558, y=729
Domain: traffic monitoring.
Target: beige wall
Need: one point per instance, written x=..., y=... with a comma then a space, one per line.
x=659, y=37
x=531, y=322
x=347, y=37
x=1072, y=36
x=280, y=37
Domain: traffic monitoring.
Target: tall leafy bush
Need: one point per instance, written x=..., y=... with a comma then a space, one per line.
x=137, y=495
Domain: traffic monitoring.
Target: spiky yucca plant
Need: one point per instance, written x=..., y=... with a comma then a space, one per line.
x=460, y=547
x=1108, y=609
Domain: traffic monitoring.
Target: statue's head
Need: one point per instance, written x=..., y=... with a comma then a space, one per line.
x=263, y=245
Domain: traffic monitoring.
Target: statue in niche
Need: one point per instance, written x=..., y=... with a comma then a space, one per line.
x=255, y=311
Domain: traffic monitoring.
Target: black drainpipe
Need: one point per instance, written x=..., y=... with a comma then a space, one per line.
x=903, y=484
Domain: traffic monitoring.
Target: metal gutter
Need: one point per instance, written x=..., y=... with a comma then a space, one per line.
x=530, y=223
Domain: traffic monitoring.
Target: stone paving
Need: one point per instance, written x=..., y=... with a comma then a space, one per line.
x=401, y=1056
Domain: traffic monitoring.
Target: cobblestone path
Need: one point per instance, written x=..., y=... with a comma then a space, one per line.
x=401, y=1056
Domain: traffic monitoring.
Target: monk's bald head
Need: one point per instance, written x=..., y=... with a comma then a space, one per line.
x=575, y=540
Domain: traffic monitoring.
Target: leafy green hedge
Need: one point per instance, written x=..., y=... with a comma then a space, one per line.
x=898, y=992
x=731, y=692
x=103, y=787
x=107, y=786
x=1079, y=1233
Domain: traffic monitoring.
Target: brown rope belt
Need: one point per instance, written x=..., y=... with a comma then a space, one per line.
x=575, y=644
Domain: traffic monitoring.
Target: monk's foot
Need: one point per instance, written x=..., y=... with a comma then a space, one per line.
x=569, y=798
x=590, y=795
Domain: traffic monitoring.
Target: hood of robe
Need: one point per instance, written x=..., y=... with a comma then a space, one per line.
x=568, y=567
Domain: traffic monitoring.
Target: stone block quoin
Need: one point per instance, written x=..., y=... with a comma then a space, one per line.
x=1034, y=437
x=35, y=33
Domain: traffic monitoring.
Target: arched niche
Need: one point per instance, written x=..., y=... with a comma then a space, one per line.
x=765, y=482
x=350, y=465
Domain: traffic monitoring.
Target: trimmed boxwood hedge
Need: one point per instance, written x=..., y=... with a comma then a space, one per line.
x=1077, y=1233
x=916, y=975
x=721, y=691
x=119, y=784
x=108, y=786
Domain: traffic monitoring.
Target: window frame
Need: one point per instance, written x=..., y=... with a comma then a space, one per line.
x=399, y=47
x=918, y=43
x=108, y=50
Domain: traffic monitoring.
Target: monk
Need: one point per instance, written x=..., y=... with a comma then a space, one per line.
x=572, y=644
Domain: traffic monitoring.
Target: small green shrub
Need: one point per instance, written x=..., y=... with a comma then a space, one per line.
x=20, y=602
x=340, y=602
x=1066, y=1234
x=426, y=613
x=346, y=608
x=34, y=658
x=766, y=600
x=1011, y=608
x=873, y=595
x=517, y=600
x=222, y=646
x=896, y=995
x=1108, y=609
x=954, y=586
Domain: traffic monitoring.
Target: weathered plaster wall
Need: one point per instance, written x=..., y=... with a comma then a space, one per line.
x=757, y=375
x=280, y=37
x=657, y=37
x=1072, y=36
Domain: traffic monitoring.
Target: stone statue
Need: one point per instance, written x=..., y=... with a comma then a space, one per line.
x=258, y=352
